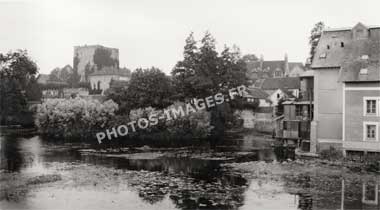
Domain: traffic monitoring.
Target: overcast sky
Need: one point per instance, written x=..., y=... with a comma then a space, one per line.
x=152, y=33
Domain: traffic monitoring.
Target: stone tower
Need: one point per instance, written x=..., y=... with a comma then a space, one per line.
x=90, y=58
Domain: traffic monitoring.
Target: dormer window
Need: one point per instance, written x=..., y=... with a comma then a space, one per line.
x=365, y=57
x=363, y=71
x=342, y=44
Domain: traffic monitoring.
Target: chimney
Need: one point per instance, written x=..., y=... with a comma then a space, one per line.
x=286, y=67
x=261, y=62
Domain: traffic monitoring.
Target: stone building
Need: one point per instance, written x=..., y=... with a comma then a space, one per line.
x=101, y=80
x=90, y=58
x=347, y=89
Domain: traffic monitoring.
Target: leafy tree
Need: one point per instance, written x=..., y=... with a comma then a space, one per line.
x=314, y=37
x=147, y=87
x=73, y=79
x=88, y=69
x=102, y=58
x=55, y=74
x=185, y=69
x=249, y=58
x=16, y=72
x=33, y=91
x=65, y=73
x=233, y=69
x=203, y=71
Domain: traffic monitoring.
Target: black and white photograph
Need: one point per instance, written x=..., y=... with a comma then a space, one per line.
x=189, y=105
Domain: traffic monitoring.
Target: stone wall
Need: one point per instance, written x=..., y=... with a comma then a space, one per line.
x=85, y=55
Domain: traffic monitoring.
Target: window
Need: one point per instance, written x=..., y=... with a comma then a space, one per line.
x=370, y=131
x=277, y=73
x=328, y=47
x=370, y=106
x=342, y=44
x=298, y=110
x=323, y=55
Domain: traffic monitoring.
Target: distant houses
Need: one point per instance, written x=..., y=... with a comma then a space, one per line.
x=346, y=69
x=292, y=124
x=271, y=93
x=262, y=69
x=51, y=88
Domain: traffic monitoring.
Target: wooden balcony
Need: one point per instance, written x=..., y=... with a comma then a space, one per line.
x=307, y=95
x=296, y=129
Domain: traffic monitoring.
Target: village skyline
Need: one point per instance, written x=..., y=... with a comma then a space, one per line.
x=160, y=42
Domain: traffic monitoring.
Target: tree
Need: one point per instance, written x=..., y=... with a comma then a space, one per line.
x=249, y=58
x=88, y=69
x=203, y=71
x=65, y=73
x=233, y=68
x=33, y=91
x=16, y=72
x=55, y=74
x=147, y=87
x=185, y=69
x=73, y=79
x=103, y=57
x=314, y=38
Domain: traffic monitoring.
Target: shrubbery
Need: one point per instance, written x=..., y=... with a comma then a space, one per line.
x=82, y=118
x=180, y=131
x=74, y=118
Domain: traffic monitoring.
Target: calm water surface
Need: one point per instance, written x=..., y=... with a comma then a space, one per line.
x=177, y=183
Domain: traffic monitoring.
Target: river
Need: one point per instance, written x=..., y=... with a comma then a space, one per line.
x=145, y=180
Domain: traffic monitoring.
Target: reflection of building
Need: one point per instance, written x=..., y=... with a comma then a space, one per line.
x=366, y=195
x=347, y=89
x=370, y=194
x=100, y=80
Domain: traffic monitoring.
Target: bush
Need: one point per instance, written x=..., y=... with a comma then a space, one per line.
x=74, y=118
x=176, y=132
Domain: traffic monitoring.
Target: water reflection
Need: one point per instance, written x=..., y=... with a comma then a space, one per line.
x=180, y=183
x=188, y=183
x=333, y=192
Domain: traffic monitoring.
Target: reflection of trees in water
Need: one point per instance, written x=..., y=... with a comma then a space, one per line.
x=11, y=157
